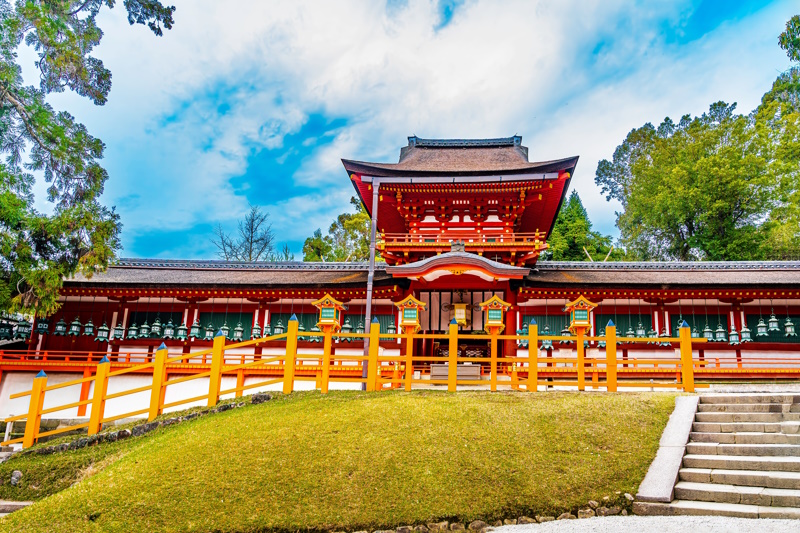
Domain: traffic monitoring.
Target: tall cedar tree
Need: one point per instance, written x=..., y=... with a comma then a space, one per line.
x=572, y=236
x=721, y=186
x=37, y=250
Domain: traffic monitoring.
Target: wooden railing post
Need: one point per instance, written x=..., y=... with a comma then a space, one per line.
x=291, y=355
x=581, y=361
x=99, y=396
x=215, y=374
x=533, y=357
x=493, y=364
x=409, y=359
x=611, y=357
x=35, y=410
x=374, y=350
x=326, y=359
x=687, y=365
x=157, y=392
x=452, y=356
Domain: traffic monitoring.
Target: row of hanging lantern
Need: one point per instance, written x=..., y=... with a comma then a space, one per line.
x=20, y=330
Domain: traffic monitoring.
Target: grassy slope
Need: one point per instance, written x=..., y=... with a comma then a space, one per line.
x=353, y=460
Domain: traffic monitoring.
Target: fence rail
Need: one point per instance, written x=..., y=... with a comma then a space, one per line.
x=375, y=370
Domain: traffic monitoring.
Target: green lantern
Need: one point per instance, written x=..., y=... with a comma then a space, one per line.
x=761, y=328
x=392, y=328
x=279, y=329
x=182, y=332
x=267, y=330
x=360, y=327
x=733, y=336
x=238, y=332
x=226, y=330
x=773, y=323
x=745, y=334
x=102, y=333
x=630, y=333
x=640, y=332
x=196, y=331
x=547, y=344
x=663, y=335
x=88, y=328
x=523, y=342
x=119, y=332
x=6, y=330
x=708, y=333
x=300, y=330
x=209, y=336
x=133, y=331
x=157, y=331
x=788, y=327
x=347, y=327
x=23, y=330
x=42, y=326
x=169, y=329
x=144, y=330
x=565, y=333
x=652, y=334
x=255, y=333
x=74, y=328
x=695, y=333
x=719, y=334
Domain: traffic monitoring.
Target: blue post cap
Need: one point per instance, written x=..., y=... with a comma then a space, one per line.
x=104, y=360
x=219, y=333
x=684, y=324
x=294, y=318
x=533, y=321
x=453, y=321
x=41, y=374
x=375, y=320
x=610, y=324
x=162, y=347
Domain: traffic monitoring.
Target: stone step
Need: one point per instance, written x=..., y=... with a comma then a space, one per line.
x=752, y=478
x=737, y=427
x=745, y=438
x=739, y=450
x=728, y=418
x=740, y=408
x=737, y=462
x=8, y=506
x=689, y=507
x=714, y=492
x=749, y=398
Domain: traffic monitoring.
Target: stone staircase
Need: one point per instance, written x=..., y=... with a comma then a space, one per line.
x=742, y=459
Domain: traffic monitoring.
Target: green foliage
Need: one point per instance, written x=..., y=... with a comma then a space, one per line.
x=789, y=40
x=312, y=462
x=347, y=238
x=572, y=236
x=37, y=250
x=708, y=187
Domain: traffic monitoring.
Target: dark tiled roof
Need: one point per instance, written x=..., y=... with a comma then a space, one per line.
x=184, y=273
x=666, y=274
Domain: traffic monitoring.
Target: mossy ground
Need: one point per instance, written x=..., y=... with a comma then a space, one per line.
x=348, y=461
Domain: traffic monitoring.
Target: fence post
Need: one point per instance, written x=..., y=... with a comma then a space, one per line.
x=373, y=372
x=99, y=396
x=409, y=359
x=159, y=369
x=291, y=355
x=533, y=357
x=215, y=375
x=452, y=357
x=326, y=359
x=35, y=410
x=687, y=365
x=611, y=357
x=493, y=367
x=581, y=361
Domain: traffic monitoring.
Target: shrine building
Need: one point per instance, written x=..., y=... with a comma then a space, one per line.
x=457, y=222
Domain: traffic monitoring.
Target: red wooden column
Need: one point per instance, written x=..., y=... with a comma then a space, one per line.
x=509, y=345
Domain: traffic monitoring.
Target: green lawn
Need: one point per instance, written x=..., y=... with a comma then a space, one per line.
x=349, y=461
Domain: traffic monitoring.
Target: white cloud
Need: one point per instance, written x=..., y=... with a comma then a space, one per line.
x=499, y=68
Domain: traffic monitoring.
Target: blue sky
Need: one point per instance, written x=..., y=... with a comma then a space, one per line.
x=259, y=104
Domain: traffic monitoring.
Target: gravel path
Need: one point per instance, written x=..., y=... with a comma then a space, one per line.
x=660, y=524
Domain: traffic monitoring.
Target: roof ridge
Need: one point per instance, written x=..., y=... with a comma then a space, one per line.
x=218, y=264
x=515, y=140
x=669, y=265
